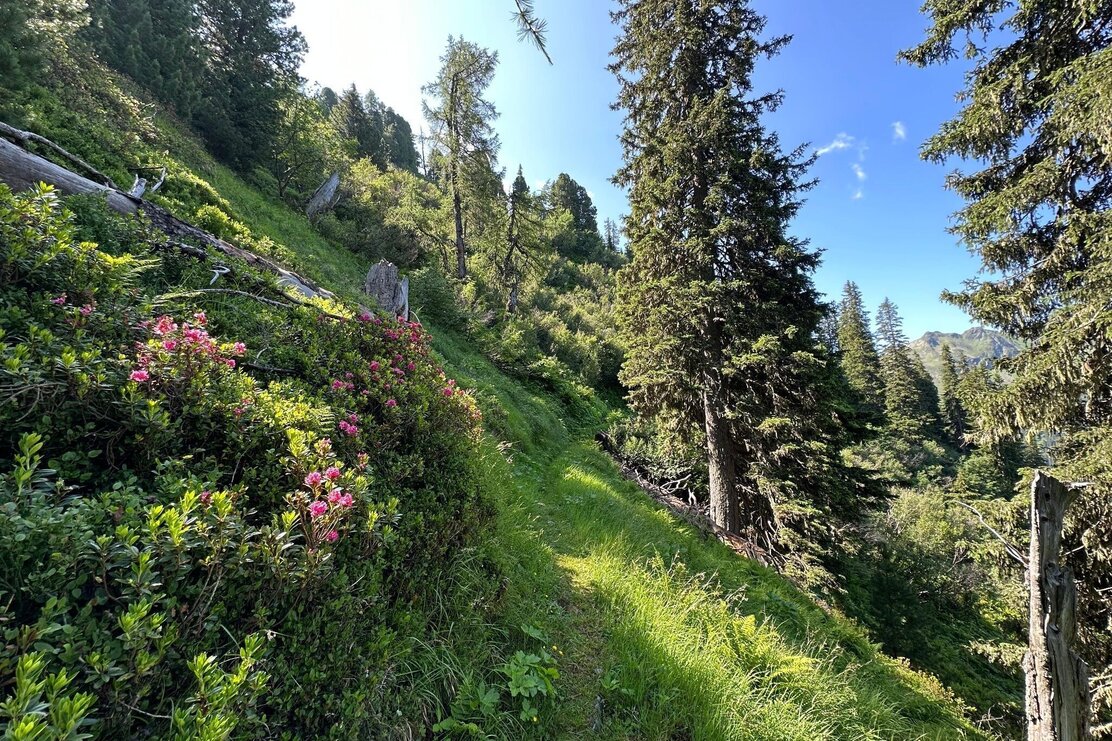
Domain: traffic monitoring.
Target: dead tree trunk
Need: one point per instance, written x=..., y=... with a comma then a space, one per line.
x=384, y=286
x=1057, y=678
x=325, y=196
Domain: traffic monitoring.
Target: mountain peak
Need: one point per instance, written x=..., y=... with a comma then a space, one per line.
x=980, y=346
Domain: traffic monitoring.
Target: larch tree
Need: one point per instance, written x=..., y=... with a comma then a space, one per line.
x=717, y=308
x=857, y=348
x=523, y=232
x=462, y=129
x=1035, y=128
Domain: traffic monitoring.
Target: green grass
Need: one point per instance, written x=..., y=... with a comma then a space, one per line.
x=665, y=634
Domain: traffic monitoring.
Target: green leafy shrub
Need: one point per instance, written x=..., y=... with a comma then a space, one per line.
x=199, y=531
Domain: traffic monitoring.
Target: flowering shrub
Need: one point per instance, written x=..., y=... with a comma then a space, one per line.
x=172, y=507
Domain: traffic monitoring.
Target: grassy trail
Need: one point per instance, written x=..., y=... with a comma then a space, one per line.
x=660, y=632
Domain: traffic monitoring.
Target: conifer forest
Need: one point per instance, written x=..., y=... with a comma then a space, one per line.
x=557, y=387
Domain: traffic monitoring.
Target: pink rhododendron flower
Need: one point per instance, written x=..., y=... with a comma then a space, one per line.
x=348, y=428
x=140, y=376
x=374, y=365
x=365, y=316
x=169, y=345
x=206, y=497
x=314, y=479
x=200, y=318
x=318, y=508
x=411, y=366
x=337, y=384
x=239, y=348
x=447, y=391
x=346, y=500
x=86, y=310
x=332, y=473
x=335, y=495
x=331, y=536
x=391, y=403
x=361, y=460
x=58, y=300
x=230, y=362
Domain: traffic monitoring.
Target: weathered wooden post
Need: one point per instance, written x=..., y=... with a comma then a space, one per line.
x=384, y=286
x=1057, y=678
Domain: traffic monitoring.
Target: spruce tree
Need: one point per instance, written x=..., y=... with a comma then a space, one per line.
x=859, y=358
x=349, y=119
x=950, y=406
x=462, y=129
x=717, y=307
x=910, y=396
x=1034, y=125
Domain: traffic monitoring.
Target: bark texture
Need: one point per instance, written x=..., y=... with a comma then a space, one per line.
x=1057, y=678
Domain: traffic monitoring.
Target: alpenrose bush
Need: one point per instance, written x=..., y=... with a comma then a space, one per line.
x=190, y=548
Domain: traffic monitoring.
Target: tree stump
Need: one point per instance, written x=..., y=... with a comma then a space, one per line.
x=388, y=291
x=1057, y=678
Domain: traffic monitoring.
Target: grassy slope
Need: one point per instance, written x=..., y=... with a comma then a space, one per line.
x=663, y=634
x=677, y=635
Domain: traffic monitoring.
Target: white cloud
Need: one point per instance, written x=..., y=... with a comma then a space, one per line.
x=858, y=194
x=841, y=141
x=899, y=131
x=538, y=184
x=859, y=171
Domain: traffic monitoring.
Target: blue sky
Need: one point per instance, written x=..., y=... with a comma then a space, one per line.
x=879, y=212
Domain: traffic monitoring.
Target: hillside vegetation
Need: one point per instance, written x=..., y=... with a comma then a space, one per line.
x=228, y=510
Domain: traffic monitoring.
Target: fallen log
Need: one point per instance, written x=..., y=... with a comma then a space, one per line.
x=23, y=170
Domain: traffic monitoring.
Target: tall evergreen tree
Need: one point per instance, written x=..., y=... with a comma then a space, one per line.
x=251, y=56
x=1035, y=115
x=860, y=361
x=584, y=240
x=462, y=128
x=523, y=228
x=612, y=236
x=910, y=396
x=950, y=405
x=717, y=307
x=349, y=118
x=398, y=138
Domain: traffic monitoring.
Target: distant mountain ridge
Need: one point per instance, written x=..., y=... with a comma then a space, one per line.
x=980, y=346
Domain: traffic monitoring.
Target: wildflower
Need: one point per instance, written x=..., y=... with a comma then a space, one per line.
x=337, y=384
x=200, y=318
x=346, y=500
x=59, y=300
x=165, y=325
x=349, y=375
x=331, y=536
x=411, y=366
x=206, y=496
x=335, y=495
x=317, y=508
x=140, y=376
x=374, y=365
x=353, y=418
x=361, y=461
x=169, y=345
x=447, y=391
x=313, y=479
x=332, y=473
x=195, y=335
x=365, y=316
x=391, y=403
x=348, y=429
x=230, y=362
x=86, y=310
x=324, y=447
x=239, y=348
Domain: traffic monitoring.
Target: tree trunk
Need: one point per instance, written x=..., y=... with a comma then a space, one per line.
x=721, y=463
x=1057, y=678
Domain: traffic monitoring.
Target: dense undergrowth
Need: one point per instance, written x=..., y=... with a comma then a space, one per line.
x=174, y=565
